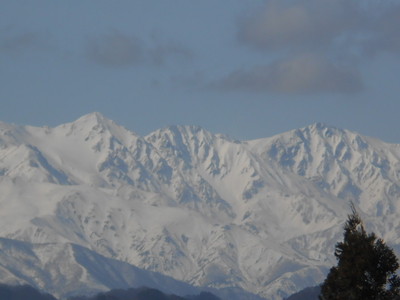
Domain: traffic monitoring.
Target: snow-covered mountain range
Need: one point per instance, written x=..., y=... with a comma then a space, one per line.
x=261, y=215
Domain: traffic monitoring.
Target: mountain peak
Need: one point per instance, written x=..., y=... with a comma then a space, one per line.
x=321, y=129
x=183, y=128
x=181, y=132
x=320, y=125
x=263, y=215
x=94, y=118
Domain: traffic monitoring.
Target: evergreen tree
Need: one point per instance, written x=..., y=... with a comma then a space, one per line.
x=366, y=267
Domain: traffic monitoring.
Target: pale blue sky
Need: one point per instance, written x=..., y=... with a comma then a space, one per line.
x=249, y=69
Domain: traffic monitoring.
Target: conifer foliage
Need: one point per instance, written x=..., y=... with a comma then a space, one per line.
x=366, y=267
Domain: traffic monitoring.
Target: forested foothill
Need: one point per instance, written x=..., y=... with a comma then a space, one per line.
x=366, y=269
x=26, y=292
x=144, y=293
x=22, y=292
x=310, y=293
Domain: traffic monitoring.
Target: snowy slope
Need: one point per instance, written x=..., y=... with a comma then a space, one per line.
x=67, y=270
x=262, y=215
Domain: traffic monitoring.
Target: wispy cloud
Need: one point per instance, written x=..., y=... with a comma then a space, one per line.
x=161, y=52
x=303, y=74
x=164, y=48
x=116, y=49
x=16, y=44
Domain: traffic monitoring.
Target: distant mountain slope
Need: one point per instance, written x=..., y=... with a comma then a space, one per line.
x=26, y=292
x=144, y=293
x=66, y=270
x=261, y=215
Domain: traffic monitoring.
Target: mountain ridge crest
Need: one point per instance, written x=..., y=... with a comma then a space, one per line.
x=261, y=215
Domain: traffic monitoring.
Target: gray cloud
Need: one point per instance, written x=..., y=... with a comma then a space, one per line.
x=303, y=74
x=114, y=49
x=15, y=44
x=307, y=23
x=344, y=26
x=117, y=50
x=343, y=32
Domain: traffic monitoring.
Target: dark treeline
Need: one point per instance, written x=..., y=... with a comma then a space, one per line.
x=310, y=293
x=22, y=292
x=144, y=294
x=26, y=292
